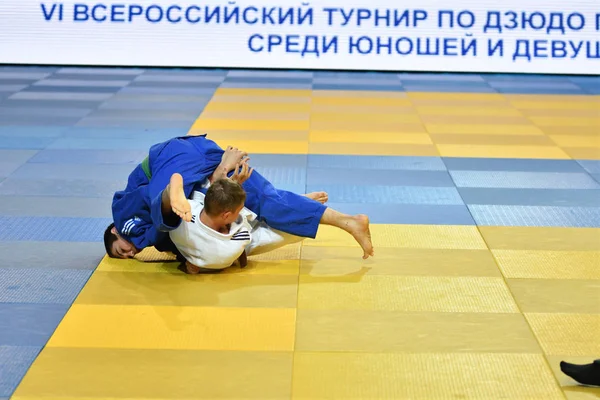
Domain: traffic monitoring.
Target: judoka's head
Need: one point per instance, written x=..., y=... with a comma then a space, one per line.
x=224, y=200
x=116, y=246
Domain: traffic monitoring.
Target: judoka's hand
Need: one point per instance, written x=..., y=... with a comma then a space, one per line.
x=232, y=157
x=243, y=260
x=242, y=172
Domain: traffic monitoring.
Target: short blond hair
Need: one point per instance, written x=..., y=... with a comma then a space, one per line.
x=224, y=195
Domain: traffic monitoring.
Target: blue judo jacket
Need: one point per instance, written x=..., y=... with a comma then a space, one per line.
x=137, y=209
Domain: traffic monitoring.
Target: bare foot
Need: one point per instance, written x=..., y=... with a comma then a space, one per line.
x=179, y=204
x=321, y=197
x=358, y=227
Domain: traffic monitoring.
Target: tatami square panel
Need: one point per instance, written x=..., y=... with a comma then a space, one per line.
x=263, y=93
x=531, y=197
x=566, y=121
x=406, y=236
x=14, y=361
x=383, y=176
x=142, y=263
x=524, y=180
x=406, y=293
x=360, y=118
x=390, y=194
x=454, y=110
x=367, y=99
x=396, y=332
x=258, y=100
x=253, y=115
x=258, y=125
x=566, y=334
x=425, y=214
x=256, y=106
x=373, y=149
x=61, y=373
x=379, y=162
x=482, y=98
x=266, y=146
x=541, y=106
x=364, y=95
x=556, y=295
x=552, y=98
x=363, y=108
x=464, y=104
x=174, y=327
x=482, y=129
x=501, y=151
x=577, y=141
x=502, y=215
x=177, y=289
x=422, y=376
x=589, y=153
x=412, y=125
x=236, y=136
x=336, y=261
x=501, y=120
x=571, y=130
x=541, y=238
x=562, y=112
x=341, y=136
x=501, y=141
x=538, y=264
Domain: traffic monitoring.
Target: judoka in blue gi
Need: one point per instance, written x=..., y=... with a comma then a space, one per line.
x=147, y=209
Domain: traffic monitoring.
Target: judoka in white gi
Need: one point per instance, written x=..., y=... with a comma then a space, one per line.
x=222, y=231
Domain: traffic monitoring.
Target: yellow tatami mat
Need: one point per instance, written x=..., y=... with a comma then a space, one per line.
x=437, y=313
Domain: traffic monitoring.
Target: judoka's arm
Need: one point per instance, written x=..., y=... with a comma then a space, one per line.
x=163, y=217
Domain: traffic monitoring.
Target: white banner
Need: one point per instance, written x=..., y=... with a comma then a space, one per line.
x=528, y=36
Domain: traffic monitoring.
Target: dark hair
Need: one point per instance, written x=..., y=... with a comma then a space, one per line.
x=109, y=239
x=223, y=195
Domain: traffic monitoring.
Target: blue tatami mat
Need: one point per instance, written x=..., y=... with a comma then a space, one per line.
x=284, y=175
x=14, y=361
x=83, y=143
x=417, y=214
x=51, y=255
x=381, y=194
x=110, y=172
x=34, y=325
x=523, y=180
x=94, y=157
x=319, y=176
x=41, y=285
x=60, y=187
x=58, y=206
x=28, y=143
x=52, y=229
x=36, y=131
x=532, y=197
x=7, y=168
x=591, y=166
x=500, y=215
x=511, y=164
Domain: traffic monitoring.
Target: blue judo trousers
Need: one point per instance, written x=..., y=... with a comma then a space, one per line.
x=137, y=209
